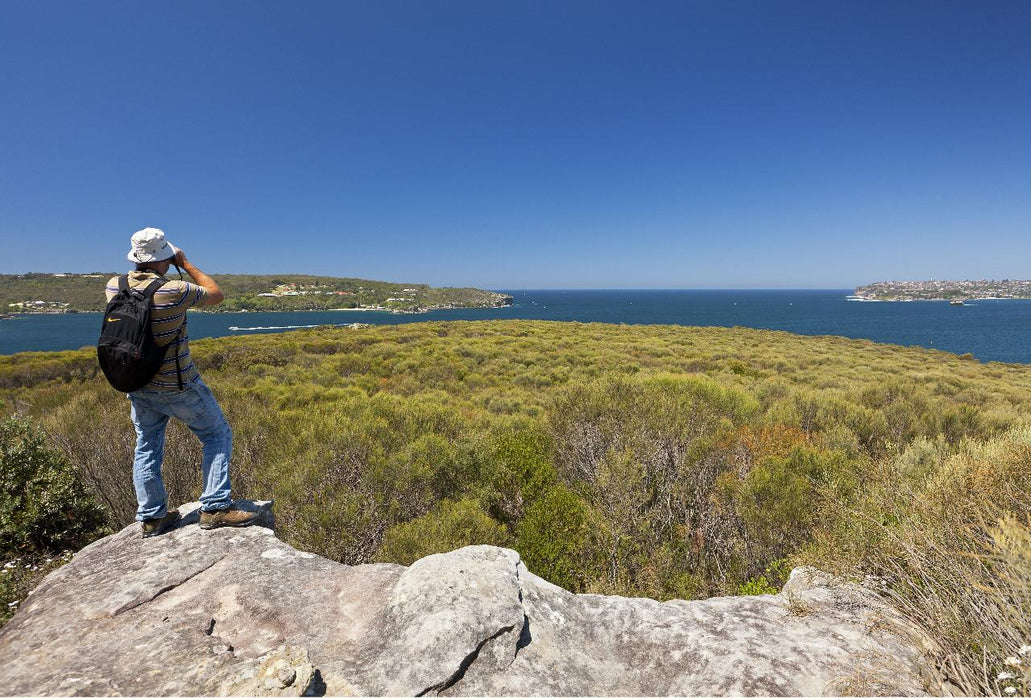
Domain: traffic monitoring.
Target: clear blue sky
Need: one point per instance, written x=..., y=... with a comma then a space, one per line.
x=523, y=144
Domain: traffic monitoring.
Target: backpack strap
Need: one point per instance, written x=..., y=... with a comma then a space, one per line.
x=123, y=283
x=152, y=288
x=178, y=369
x=149, y=293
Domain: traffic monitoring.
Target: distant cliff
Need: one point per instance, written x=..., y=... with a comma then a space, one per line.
x=38, y=292
x=238, y=612
x=944, y=290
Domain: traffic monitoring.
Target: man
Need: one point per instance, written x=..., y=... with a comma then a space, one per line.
x=163, y=398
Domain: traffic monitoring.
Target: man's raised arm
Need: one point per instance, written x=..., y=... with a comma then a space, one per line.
x=214, y=294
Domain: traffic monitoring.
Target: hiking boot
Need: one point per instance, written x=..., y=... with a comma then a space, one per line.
x=159, y=526
x=228, y=517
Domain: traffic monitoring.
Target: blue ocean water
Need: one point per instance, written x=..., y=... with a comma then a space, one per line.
x=991, y=330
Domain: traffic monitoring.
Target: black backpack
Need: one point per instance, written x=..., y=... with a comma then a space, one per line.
x=127, y=351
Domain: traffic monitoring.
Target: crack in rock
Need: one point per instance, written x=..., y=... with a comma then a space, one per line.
x=145, y=598
x=523, y=641
x=525, y=637
x=466, y=663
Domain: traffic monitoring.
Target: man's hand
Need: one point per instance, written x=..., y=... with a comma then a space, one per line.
x=179, y=259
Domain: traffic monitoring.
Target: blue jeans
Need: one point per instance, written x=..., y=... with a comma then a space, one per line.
x=197, y=408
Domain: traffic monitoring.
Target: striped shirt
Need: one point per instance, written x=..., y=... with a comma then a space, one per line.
x=167, y=316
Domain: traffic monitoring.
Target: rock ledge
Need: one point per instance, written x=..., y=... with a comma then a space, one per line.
x=238, y=612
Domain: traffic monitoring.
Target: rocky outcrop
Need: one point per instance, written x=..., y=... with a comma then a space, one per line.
x=238, y=612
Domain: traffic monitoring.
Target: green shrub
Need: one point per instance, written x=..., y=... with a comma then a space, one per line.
x=777, y=500
x=517, y=471
x=44, y=512
x=43, y=504
x=556, y=541
x=449, y=526
x=769, y=582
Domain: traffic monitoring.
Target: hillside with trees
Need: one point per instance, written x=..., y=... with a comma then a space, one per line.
x=60, y=293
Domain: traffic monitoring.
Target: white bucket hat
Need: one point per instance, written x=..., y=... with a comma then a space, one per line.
x=149, y=245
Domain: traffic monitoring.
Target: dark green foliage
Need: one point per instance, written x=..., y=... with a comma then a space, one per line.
x=517, y=472
x=43, y=505
x=555, y=540
x=45, y=512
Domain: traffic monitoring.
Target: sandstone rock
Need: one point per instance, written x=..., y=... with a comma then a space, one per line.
x=238, y=612
x=284, y=672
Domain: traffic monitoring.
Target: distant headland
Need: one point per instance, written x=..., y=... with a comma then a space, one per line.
x=44, y=292
x=942, y=290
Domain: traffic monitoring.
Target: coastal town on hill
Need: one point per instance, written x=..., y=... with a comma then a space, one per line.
x=43, y=293
x=944, y=290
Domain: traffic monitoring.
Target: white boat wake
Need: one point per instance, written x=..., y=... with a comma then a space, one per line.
x=273, y=328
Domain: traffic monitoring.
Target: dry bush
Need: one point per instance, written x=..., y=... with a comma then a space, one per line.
x=952, y=552
x=645, y=455
x=94, y=432
x=969, y=592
